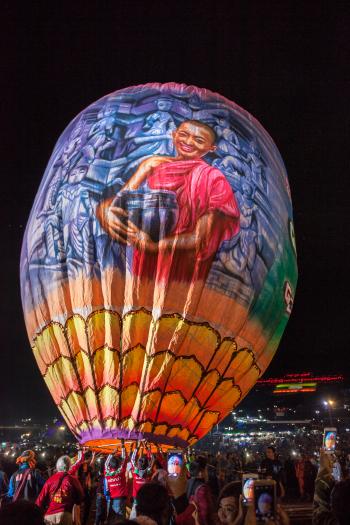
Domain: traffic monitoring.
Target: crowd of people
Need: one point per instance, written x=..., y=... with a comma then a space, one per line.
x=143, y=487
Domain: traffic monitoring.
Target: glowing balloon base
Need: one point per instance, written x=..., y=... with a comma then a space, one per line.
x=107, y=446
x=133, y=436
x=160, y=390
x=158, y=267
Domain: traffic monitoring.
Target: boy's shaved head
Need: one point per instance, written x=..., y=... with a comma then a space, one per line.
x=203, y=125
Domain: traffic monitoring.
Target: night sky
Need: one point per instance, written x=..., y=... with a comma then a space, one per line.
x=285, y=62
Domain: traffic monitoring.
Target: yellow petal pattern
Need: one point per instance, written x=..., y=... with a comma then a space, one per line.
x=174, y=381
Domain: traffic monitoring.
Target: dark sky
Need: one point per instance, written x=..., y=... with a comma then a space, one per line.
x=287, y=63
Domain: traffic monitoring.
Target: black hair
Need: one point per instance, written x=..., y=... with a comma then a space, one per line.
x=197, y=466
x=203, y=125
x=114, y=463
x=153, y=501
x=232, y=489
x=158, y=464
x=142, y=462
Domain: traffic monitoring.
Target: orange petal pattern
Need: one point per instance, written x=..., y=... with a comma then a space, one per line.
x=175, y=380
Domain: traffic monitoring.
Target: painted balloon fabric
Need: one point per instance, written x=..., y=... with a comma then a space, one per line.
x=158, y=267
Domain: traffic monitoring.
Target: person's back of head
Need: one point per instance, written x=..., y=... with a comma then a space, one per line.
x=101, y=468
x=340, y=502
x=142, y=463
x=157, y=464
x=63, y=464
x=153, y=501
x=232, y=489
x=197, y=467
x=21, y=512
x=115, y=463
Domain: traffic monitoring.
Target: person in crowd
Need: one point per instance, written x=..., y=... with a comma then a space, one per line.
x=27, y=482
x=49, y=466
x=290, y=480
x=212, y=460
x=60, y=493
x=347, y=466
x=141, y=472
x=306, y=473
x=213, y=481
x=153, y=505
x=101, y=495
x=336, y=470
x=115, y=474
x=85, y=476
x=230, y=509
x=21, y=512
x=310, y=472
x=198, y=491
x=272, y=467
x=231, y=467
x=222, y=461
x=76, y=462
x=331, y=498
x=159, y=473
x=4, y=482
x=157, y=505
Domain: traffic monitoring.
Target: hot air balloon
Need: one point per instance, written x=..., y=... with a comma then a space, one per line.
x=158, y=266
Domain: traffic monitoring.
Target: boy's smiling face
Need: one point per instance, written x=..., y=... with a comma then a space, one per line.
x=192, y=141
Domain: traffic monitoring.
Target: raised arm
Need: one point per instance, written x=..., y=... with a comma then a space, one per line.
x=108, y=460
x=74, y=468
x=123, y=453
x=93, y=459
x=134, y=454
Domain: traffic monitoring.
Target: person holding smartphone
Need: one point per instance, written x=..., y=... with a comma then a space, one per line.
x=331, y=498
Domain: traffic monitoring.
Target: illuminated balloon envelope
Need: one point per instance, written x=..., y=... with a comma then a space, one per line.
x=158, y=266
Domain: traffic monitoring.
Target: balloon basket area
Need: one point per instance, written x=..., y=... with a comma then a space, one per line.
x=105, y=446
x=111, y=440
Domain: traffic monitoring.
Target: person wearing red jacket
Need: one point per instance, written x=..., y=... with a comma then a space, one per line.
x=115, y=474
x=141, y=471
x=60, y=493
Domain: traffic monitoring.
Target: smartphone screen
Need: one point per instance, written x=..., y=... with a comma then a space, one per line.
x=175, y=462
x=264, y=501
x=329, y=439
x=248, y=487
